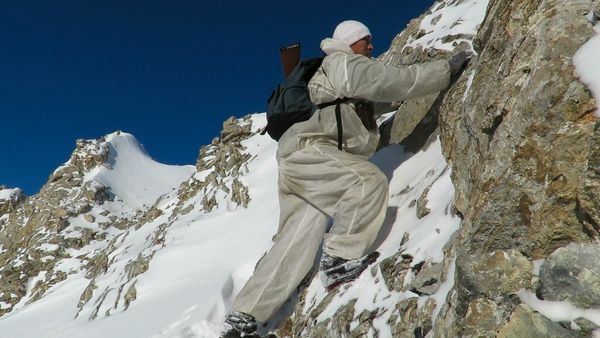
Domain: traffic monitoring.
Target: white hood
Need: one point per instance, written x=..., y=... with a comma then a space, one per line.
x=330, y=46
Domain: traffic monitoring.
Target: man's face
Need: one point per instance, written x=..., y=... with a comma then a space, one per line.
x=363, y=46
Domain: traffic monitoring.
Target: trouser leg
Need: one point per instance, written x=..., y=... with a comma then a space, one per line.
x=360, y=211
x=284, y=266
x=348, y=188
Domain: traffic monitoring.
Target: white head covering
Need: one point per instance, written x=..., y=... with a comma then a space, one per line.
x=350, y=31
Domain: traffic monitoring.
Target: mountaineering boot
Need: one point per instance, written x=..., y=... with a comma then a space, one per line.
x=239, y=324
x=335, y=271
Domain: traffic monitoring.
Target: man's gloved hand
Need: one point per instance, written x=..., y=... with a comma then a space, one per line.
x=458, y=62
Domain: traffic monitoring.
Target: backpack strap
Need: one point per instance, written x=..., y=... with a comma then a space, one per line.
x=338, y=117
x=338, y=120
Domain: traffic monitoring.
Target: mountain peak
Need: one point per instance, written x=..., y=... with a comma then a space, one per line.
x=119, y=163
x=10, y=199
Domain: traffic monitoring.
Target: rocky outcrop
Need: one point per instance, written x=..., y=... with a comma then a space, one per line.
x=523, y=149
x=522, y=140
x=219, y=167
x=37, y=235
x=524, y=321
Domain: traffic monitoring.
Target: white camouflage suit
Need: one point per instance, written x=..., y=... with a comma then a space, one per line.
x=318, y=182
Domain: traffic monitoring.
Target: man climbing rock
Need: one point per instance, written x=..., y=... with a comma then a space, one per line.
x=318, y=182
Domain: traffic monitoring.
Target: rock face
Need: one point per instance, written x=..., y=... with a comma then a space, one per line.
x=35, y=237
x=225, y=159
x=525, y=321
x=522, y=138
x=524, y=150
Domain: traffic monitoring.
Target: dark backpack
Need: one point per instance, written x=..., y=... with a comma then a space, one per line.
x=290, y=103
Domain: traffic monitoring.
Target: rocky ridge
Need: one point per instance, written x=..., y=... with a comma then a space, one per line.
x=78, y=226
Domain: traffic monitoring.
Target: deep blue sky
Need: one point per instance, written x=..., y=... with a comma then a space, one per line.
x=169, y=72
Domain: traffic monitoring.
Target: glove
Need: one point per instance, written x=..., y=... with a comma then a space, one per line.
x=458, y=62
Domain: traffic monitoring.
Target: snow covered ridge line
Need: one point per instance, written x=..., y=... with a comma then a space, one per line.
x=119, y=165
x=10, y=199
x=105, y=245
x=217, y=178
x=132, y=175
x=156, y=273
x=86, y=211
x=10, y=195
x=449, y=23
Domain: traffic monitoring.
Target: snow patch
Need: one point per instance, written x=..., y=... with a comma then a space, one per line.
x=468, y=86
x=9, y=194
x=462, y=19
x=49, y=247
x=559, y=311
x=587, y=64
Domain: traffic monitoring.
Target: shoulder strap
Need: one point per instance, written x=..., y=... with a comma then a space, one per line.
x=338, y=117
x=338, y=120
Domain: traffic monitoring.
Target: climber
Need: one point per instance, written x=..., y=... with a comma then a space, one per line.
x=318, y=182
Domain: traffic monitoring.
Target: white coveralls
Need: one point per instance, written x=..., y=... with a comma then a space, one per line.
x=317, y=181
